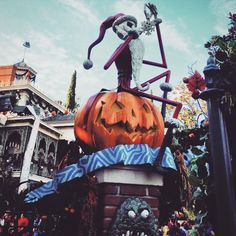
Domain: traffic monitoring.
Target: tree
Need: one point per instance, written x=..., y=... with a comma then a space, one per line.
x=70, y=102
x=191, y=109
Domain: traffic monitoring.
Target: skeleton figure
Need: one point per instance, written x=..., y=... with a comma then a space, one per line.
x=123, y=26
x=128, y=57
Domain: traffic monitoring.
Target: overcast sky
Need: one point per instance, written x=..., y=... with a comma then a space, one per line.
x=60, y=32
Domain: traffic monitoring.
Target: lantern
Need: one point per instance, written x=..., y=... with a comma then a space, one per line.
x=115, y=118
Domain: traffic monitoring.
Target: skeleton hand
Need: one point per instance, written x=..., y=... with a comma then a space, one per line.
x=150, y=10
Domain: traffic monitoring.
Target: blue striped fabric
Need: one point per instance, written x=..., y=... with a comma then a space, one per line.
x=134, y=154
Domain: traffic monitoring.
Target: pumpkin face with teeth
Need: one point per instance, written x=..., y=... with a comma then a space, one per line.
x=118, y=118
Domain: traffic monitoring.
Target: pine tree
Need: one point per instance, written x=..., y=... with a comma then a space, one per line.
x=70, y=102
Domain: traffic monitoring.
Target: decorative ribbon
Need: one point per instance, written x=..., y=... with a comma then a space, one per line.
x=28, y=76
x=134, y=154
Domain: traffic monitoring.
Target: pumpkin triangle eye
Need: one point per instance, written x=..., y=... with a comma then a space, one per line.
x=146, y=108
x=133, y=113
x=119, y=104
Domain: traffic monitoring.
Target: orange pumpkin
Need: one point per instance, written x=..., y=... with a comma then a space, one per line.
x=115, y=118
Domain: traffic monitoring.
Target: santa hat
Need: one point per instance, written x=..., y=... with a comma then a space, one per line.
x=111, y=21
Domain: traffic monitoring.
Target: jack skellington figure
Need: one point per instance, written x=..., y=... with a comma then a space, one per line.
x=128, y=57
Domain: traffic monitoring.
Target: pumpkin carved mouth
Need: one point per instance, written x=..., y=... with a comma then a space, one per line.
x=119, y=118
x=130, y=125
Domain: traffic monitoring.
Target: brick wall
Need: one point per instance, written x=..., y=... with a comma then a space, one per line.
x=112, y=195
x=7, y=75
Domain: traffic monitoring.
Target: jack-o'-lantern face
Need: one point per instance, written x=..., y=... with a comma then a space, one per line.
x=118, y=118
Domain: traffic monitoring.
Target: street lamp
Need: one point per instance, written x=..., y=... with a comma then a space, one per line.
x=220, y=152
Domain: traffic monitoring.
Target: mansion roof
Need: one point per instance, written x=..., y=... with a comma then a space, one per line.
x=37, y=96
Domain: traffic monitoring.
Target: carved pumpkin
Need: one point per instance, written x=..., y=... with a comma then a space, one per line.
x=114, y=118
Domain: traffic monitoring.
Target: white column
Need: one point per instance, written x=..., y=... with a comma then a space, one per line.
x=25, y=171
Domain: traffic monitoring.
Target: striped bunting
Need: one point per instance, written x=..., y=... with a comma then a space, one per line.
x=134, y=154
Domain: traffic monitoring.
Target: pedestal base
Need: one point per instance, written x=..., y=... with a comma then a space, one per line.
x=118, y=183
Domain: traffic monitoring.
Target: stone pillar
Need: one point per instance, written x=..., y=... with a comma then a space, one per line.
x=118, y=183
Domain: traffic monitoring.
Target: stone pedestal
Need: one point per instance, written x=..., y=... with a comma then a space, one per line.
x=118, y=183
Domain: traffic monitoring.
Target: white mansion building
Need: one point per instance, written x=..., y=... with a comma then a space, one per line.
x=33, y=127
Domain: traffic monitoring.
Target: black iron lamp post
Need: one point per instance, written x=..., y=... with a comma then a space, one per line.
x=220, y=152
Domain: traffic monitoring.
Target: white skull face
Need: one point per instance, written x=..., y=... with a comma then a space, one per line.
x=123, y=29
